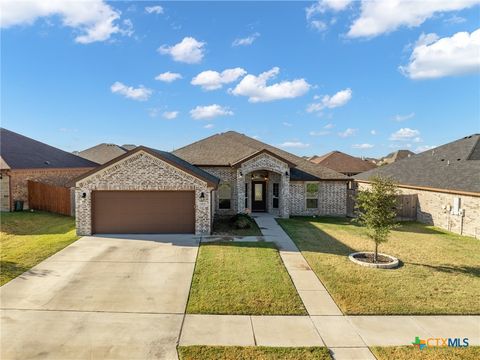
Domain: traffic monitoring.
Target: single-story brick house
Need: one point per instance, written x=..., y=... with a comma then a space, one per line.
x=151, y=191
x=23, y=159
x=446, y=181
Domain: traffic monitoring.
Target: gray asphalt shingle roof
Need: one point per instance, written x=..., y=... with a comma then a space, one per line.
x=453, y=166
x=228, y=148
x=21, y=152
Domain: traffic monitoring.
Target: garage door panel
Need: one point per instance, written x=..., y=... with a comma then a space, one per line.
x=143, y=212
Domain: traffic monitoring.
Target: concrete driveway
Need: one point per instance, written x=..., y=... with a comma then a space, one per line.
x=119, y=297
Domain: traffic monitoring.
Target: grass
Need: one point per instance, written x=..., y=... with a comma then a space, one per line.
x=28, y=238
x=252, y=352
x=224, y=225
x=431, y=353
x=242, y=278
x=439, y=274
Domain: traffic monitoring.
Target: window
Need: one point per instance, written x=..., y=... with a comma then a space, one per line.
x=312, y=195
x=246, y=195
x=224, y=196
x=276, y=192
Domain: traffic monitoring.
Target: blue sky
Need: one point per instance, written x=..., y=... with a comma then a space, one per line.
x=337, y=75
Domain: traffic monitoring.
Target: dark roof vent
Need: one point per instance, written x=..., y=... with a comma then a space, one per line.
x=46, y=162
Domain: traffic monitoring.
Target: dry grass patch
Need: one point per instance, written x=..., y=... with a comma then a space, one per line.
x=242, y=278
x=432, y=353
x=439, y=274
x=252, y=352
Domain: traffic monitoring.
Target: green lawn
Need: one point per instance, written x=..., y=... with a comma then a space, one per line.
x=242, y=278
x=432, y=353
x=27, y=238
x=252, y=353
x=225, y=225
x=439, y=274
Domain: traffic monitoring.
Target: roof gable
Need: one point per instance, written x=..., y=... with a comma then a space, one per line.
x=21, y=152
x=164, y=156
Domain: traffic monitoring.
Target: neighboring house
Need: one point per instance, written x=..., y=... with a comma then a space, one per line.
x=395, y=156
x=103, y=153
x=446, y=181
x=343, y=163
x=150, y=191
x=24, y=159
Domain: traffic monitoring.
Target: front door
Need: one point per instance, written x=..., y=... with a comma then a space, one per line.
x=259, y=201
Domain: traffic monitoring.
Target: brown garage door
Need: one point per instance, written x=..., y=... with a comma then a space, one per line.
x=143, y=212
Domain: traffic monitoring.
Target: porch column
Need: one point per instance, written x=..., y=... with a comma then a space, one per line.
x=240, y=191
x=285, y=195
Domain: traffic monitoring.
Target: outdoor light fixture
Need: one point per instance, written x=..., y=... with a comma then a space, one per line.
x=202, y=195
x=84, y=195
x=241, y=173
x=286, y=173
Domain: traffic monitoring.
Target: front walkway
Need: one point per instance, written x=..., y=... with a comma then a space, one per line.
x=348, y=337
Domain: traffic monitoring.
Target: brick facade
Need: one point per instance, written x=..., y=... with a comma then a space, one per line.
x=332, y=199
x=227, y=175
x=332, y=195
x=19, y=177
x=142, y=171
x=432, y=210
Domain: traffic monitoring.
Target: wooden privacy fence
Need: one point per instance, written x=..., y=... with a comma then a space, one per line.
x=56, y=199
x=406, y=209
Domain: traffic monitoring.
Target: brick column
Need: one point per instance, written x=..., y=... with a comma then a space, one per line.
x=285, y=195
x=240, y=191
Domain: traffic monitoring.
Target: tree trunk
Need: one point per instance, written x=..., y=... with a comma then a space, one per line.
x=375, y=256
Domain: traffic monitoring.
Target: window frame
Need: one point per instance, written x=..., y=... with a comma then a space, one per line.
x=309, y=195
x=222, y=201
x=275, y=197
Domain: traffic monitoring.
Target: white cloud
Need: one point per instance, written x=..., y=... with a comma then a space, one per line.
x=168, y=77
x=246, y=41
x=209, y=126
x=189, y=50
x=404, y=134
x=373, y=132
x=141, y=93
x=94, y=20
x=454, y=19
x=209, y=112
x=379, y=16
x=287, y=124
x=348, y=132
x=319, y=133
x=257, y=90
x=339, y=99
x=294, y=144
x=212, y=80
x=318, y=9
x=424, y=148
x=329, y=126
x=401, y=118
x=322, y=6
x=157, y=9
x=433, y=57
x=362, y=146
x=170, y=115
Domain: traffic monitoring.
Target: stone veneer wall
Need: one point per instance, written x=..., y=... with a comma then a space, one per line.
x=332, y=199
x=227, y=175
x=265, y=162
x=430, y=210
x=142, y=171
x=5, y=192
x=57, y=177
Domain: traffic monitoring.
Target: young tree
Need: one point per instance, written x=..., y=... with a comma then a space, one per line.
x=376, y=210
